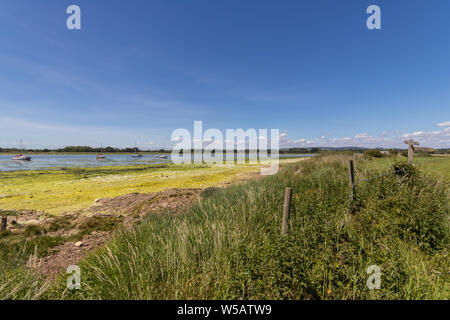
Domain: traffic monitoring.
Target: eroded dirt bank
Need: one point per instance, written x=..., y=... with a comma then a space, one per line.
x=91, y=228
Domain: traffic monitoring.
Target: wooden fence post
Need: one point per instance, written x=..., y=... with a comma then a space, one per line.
x=4, y=221
x=286, y=211
x=351, y=178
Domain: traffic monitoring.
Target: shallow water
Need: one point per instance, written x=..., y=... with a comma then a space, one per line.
x=42, y=162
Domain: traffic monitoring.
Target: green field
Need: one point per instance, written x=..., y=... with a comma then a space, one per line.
x=436, y=166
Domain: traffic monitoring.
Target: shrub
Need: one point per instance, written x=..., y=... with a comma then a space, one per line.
x=404, y=170
x=373, y=153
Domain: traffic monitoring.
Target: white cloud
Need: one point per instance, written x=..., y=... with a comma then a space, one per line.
x=414, y=134
x=387, y=139
x=177, y=139
x=362, y=136
x=443, y=124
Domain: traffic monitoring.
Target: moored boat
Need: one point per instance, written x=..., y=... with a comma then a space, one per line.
x=20, y=156
x=101, y=156
x=136, y=154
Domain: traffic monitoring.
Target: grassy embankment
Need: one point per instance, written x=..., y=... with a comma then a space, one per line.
x=228, y=245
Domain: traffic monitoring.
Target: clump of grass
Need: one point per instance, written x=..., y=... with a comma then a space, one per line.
x=21, y=284
x=99, y=223
x=33, y=230
x=5, y=233
x=95, y=223
x=207, y=192
x=228, y=245
x=17, y=281
x=40, y=245
x=60, y=223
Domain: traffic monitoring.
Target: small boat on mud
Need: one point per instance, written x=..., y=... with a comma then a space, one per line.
x=162, y=156
x=20, y=156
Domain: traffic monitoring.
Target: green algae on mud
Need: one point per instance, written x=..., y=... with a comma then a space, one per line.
x=72, y=189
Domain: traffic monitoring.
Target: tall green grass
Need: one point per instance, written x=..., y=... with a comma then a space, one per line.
x=17, y=282
x=228, y=245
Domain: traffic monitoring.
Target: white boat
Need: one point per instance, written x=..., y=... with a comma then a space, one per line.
x=21, y=157
x=101, y=156
x=136, y=155
x=162, y=156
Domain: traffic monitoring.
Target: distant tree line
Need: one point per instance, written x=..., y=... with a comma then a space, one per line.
x=81, y=149
x=86, y=149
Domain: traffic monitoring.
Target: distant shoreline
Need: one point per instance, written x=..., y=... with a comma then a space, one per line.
x=53, y=153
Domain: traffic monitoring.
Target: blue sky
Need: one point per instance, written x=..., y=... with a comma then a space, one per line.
x=137, y=70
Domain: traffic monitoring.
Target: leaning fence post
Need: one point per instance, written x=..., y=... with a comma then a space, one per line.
x=351, y=178
x=286, y=211
x=4, y=221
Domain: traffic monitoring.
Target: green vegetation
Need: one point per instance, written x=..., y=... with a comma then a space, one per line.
x=96, y=223
x=373, y=153
x=16, y=279
x=228, y=245
x=437, y=167
x=33, y=230
x=81, y=149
